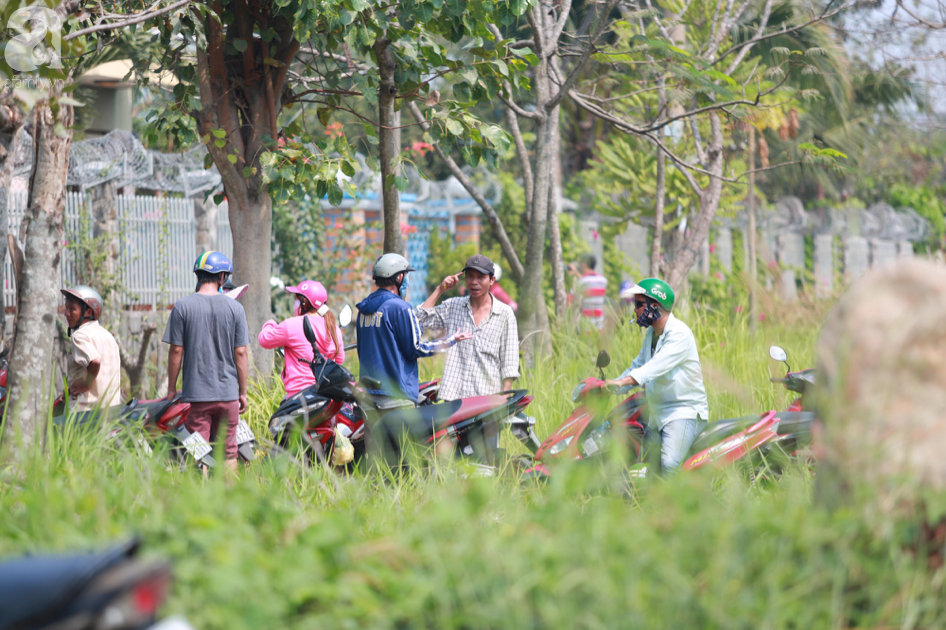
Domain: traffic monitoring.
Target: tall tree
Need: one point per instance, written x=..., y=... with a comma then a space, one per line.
x=717, y=80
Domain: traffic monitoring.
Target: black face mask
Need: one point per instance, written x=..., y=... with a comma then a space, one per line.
x=648, y=316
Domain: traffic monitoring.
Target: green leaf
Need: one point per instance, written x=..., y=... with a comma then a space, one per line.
x=324, y=114
x=232, y=158
x=220, y=143
x=454, y=127
x=401, y=183
x=219, y=133
x=218, y=199
x=335, y=195
x=240, y=45
x=249, y=171
x=347, y=168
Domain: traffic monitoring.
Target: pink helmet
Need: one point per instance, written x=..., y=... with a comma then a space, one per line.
x=312, y=291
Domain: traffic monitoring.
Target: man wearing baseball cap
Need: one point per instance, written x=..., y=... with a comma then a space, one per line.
x=490, y=363
x=668, y=367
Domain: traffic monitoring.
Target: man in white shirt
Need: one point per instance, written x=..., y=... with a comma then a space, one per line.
x=668, y=367
x=94, y=370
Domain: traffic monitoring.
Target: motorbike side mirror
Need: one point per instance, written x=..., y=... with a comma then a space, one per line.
x=779, y=354
x=603, y=360
x=344, y=317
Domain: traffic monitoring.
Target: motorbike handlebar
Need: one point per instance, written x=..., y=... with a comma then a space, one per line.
x=351, y=346
x=776, y=379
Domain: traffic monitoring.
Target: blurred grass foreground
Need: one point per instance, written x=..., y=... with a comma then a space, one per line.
x=287, y=547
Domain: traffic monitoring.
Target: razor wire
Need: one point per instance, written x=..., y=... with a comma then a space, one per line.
x=120, y=157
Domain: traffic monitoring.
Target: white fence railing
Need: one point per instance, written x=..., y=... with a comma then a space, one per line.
x=157, y=241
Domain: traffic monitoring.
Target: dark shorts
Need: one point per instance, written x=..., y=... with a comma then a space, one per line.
x=207, y=418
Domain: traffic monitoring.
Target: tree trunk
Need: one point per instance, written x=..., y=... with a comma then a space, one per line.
x=251, y=217
x=387, y=119
x=135, y=364
x=685, y=256
x=30, y=374
x=532, y=300
x=555, y=207
x=753, y=256
x=659, y=195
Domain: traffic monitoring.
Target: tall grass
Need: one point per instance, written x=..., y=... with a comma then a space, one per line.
x=283, y=546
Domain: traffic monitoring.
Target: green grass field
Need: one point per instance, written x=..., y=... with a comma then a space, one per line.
x=286, y=547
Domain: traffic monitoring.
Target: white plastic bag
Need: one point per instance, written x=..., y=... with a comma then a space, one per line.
x=344, y=451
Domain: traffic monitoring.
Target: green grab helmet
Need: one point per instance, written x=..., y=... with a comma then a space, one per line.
x=657, y=290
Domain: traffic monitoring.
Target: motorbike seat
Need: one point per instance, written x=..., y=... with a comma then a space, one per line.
x=423, y=422
x=34, y=589
x=716, y=432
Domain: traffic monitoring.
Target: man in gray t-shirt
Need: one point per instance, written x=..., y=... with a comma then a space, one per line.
x=207, y=334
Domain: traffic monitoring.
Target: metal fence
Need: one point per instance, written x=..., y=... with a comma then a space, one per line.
x=157, y=245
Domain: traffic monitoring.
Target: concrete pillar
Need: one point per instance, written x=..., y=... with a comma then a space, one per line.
x=724, y=248
x=824, y=265
x=634, y=243
x=883, y=253
x=856, y=258
x=790, y=251
x=104, y=213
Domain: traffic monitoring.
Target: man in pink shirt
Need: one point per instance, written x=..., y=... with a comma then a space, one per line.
x=310, y=302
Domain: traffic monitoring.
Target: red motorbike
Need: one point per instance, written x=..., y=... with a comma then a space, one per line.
x=587, y=433
x=315, y=413
x=149, y=422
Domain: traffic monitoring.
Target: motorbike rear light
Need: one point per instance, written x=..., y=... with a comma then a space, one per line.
x=148, y=596
x=137, y=606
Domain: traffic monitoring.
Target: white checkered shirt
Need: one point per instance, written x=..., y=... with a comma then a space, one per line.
x=478, y=366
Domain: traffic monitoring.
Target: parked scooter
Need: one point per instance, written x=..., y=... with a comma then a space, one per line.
x=314, y=414
x=148, y=422
x=113, y=589
x=588, y=434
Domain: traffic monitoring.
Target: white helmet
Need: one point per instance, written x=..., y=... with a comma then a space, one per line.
x=389, y=266
x=497, y=272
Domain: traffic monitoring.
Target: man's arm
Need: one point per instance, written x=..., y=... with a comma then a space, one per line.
x=408, y=334
x=240, y=358
x=432, y=316
x=509, y=354
x=175, y=354
x=83, y=384
x=626, y=380
x=672, y=353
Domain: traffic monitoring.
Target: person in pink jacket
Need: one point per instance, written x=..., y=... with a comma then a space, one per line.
x=310, y=302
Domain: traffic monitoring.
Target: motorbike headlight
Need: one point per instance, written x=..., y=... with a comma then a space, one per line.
x=561, y=446
x=577, y=391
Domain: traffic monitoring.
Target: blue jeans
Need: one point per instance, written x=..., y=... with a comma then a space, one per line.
x=676, y=438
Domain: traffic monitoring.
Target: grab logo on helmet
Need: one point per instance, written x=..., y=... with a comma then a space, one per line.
x=658, y=293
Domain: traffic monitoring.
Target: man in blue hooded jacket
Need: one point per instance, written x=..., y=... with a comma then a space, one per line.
x=390, y=338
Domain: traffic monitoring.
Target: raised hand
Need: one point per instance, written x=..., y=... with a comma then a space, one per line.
x=450, y=281
x=463, y=335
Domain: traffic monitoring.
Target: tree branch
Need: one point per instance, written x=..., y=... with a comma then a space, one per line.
x=566, y=87
x=516, y=268
x=127, y=21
